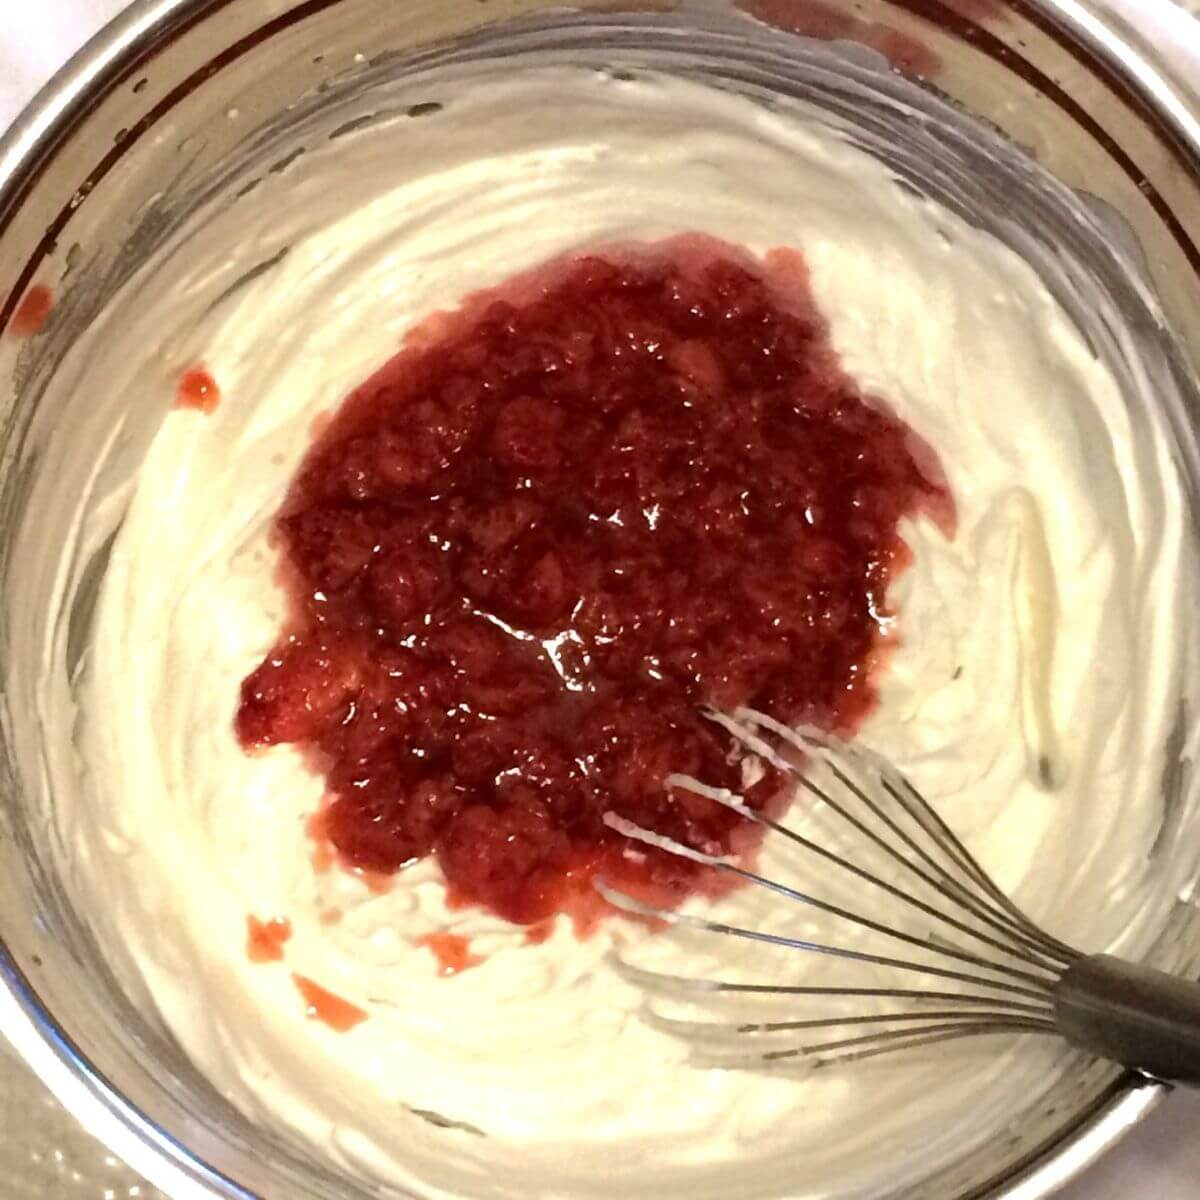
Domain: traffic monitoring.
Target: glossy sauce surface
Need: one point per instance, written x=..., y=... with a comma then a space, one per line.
x=564, y=518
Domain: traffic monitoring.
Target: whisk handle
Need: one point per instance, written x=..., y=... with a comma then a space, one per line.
x=1133, y=1015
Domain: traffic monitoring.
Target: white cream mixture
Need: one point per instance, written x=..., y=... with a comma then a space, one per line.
x=1031, y=693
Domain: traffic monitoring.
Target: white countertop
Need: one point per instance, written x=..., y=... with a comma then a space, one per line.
x=1160, y=1160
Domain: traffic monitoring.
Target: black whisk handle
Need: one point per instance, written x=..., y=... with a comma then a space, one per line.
x=1133, y=1015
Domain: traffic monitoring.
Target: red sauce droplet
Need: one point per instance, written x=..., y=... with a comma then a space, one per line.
x=564, y=517
x=197, y=389
x=34, y=310
x=322, y=1005
x=330, y=916
x=452, y=951
x=265, y=939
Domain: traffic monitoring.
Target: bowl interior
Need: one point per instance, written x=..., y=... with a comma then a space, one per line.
x=183, y=111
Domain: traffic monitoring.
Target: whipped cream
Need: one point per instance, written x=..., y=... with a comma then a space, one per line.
x=1033, y=680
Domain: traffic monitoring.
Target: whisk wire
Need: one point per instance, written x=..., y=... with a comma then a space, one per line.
x=1008, y=983
x=903, y=791
x=735, y=802
x=661, y=980
x=791, y=893
x=902, y=1040
x=741, y=724
x=1135, y=1015
x=941, y=881
x=629, y=904
x=815, y=1055
x=942, y=832
x=723, y=1030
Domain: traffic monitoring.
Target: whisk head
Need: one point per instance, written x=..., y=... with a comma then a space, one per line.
x=943, y=953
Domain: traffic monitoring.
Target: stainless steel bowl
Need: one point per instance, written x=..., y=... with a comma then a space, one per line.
x=99, y=166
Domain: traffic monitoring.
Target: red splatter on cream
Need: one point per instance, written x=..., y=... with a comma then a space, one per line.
x=539, y=932
x=265, y=939
x=377, y=882
x=197, y=389
x=322, y=1005
x=31, y=314
x=452, y=951
x=322, y=855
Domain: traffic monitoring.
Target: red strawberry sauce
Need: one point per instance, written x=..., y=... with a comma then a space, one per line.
x=265, y=939
x=197, y=389
x=563, y=517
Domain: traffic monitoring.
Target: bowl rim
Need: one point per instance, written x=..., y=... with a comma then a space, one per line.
x=120, y=49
